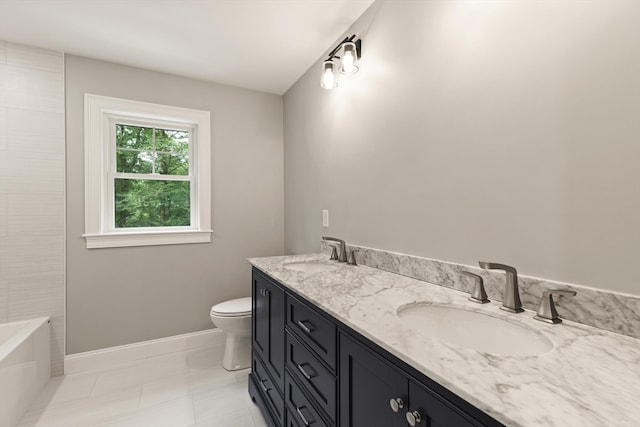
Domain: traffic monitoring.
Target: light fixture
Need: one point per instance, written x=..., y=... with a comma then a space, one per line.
x=349, y=58
x=328, y=78
x=351, y=52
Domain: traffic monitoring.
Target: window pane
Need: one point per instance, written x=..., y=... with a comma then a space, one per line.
x=137, y=137
x=174, y=141
x=150, y=203
x=172, y=164
x=129, y=161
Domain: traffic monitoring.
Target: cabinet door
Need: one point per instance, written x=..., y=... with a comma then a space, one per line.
x=433, y=410
x=367, y=385
x=268, y=326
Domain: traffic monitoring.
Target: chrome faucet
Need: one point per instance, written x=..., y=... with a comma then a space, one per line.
x=343, y=247
x=511, y=297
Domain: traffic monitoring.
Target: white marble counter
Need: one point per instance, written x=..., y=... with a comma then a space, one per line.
x=590, y=378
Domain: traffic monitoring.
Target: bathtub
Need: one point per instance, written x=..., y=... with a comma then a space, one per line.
x=25, y=366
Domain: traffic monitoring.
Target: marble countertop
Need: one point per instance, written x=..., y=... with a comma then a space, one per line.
x=591, y=377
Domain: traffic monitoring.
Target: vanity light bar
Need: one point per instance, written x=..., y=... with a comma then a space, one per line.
x=351, y=51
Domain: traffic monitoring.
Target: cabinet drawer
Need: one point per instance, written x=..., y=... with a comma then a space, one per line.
x=299, y=407
x=317, y=380
x=316, y=331
x=268, y=389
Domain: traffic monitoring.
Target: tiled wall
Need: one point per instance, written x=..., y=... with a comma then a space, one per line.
x=32, y=146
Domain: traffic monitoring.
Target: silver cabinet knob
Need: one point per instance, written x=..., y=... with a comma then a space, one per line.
x=413, y=418
x=396, y=404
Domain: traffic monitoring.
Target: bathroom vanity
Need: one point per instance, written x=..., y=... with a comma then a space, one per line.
x=330, y=349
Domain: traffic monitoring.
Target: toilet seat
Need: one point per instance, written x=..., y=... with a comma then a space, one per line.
x=238, y=307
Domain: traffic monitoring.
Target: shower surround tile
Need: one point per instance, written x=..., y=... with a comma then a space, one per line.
x=611, y=311
x=32, y=148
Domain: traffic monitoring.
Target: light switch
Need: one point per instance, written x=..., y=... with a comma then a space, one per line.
x=325, y=218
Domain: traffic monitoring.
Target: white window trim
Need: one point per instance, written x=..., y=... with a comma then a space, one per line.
x=98, y=113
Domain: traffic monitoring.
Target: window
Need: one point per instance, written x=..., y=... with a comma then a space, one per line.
x=147, y=172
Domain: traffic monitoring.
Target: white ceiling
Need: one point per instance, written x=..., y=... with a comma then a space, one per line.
x=264, y=45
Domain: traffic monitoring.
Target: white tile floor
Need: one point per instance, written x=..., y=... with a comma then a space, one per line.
x=181, y=389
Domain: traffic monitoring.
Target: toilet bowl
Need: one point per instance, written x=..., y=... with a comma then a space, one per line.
x=234, y=318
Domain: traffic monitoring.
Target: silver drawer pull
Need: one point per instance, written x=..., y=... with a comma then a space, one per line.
x=302, y=417
x=396, y=404
x=264, y=387
x=307, y=329
x=414, y=418
x=304, y=372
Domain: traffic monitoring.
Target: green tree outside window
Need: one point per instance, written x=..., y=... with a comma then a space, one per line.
x=149, y=200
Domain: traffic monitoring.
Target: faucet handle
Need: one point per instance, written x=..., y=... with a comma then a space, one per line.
x=352, y=257
x=547, y=311
x=334, y=253
x=478, y=294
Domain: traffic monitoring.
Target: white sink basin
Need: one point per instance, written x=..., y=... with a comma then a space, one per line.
x=470, y=329
x=310, y=266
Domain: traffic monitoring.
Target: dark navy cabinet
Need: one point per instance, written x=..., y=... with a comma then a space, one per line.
x=434, y=411
x=315, y=330
x=311, y=370
x=368, y=384
x=268, y=326
x=266, y=383
x=380, y=394
x=271, y=397
x=318, y=381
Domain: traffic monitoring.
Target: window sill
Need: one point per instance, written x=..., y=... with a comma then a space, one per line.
x=146, y=238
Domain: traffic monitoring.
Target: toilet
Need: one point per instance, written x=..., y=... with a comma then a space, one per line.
x=234, y=318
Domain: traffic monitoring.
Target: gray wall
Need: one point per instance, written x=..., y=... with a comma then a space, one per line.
x=122, y=295
x=32, y=189
x=503, y=131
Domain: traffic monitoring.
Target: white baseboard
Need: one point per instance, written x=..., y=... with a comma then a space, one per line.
x=113, y=356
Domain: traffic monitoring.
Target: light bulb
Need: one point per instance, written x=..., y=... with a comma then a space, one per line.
x=349, y=59
x=328, y=78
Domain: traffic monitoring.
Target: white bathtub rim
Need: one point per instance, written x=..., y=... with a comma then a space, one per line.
x=12, y=343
